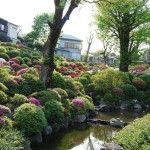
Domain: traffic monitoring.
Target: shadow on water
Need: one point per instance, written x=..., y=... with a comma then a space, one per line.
x=83, y=137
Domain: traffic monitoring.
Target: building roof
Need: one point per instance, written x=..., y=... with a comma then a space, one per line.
x=8, y=21
x=70, y=37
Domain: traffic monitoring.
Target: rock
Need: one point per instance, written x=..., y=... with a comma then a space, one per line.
x=80, y=118
x=117, y=122
x=104, y=107
x=47, y=131
x=113, y=146
x=124, y=106
x=92, y=113
x=37, y=138
x=137, y=106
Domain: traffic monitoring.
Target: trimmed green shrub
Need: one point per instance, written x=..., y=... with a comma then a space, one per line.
x=58, y=81
x=118, y=95
x=7, y=123
x=78, y=86
x=139, y=83
x=5, y=56
x=130, y=91
x=62, y=93
x=54, y=113
x=136, y=135
x=26, y=59
x=130, y=75
x=109, y=79
x=13, y=53
x=90, y=87
x=141, y=96
x=20, y=59
x=70, y=84
x=146, y=78
x=28, y=55
x=88, y=103
x=3, y=97
x=2, y=49
x=71, y=94
x=3, y=88
x=45, y=96
x=19, y=99
x=84, y=81
x=108, y=98
x=11, y=139
x=30, y=118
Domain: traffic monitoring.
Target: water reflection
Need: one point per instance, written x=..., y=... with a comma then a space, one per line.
x=84, y=138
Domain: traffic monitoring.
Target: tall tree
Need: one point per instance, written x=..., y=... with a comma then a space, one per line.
x=40, y=30
x=63, y=10
x=89, y=42
x=129, y=22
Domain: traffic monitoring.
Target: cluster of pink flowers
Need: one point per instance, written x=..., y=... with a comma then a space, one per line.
x=22, y=71
x=16, y=66
x=73, y=65
x=11, y=62
x=55, y=92
x=15, y=60
x=34, y=101
x=78, y=103
x=4, y=110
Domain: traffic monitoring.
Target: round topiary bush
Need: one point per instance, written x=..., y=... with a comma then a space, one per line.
x=30, y=118
x=130, y=75
x=54, y=113
x=146, y=78
x=90, y=87
x=26, y=59
x=70, y=84
x=3, y=87
x=19, y=99
x=20, y=59
x=2, y=49
x=139, y=83
x=71, y=94
x=5, y=56
x=108, y=98
x=84, y=81
x=58, y=81
x=13, y=53
x=62, y=93
x=28, y=55
x=3, y=97
x=130, y=91
x=141, y=96
x=118, y=95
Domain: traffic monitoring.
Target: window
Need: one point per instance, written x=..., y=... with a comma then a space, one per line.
x=2, y=27
x=72, y=45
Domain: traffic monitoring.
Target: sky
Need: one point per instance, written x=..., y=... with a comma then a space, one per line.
x=22, y=12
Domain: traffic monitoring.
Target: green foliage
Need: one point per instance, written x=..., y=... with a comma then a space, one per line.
x=62, y=93
x=3, y=75
x=130, y=75
x=3, y=88
x=84, y=81
x=97, y=98
x=8, y=123
x=54, y=113
x=130, y=91
x=91, y=87
x=78, y=86
x=58, y=81
x=26, y=59
x=5, y=56
x=109, y=79
x=139, y=139
x=108, y=98
x=70, y=84
x=3, y=97
x=19, y=99
x=11, y=139
x=71, y=93
x=13, y=53
x=30, y=118
x=118, y=95
x=146, y=78
x=20, y=59
x=141, y=96
x=2, y=49
x=66, y=104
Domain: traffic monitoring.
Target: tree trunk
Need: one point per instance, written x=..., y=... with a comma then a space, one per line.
x=87, y=54
x=49, y=50
x=124, y=55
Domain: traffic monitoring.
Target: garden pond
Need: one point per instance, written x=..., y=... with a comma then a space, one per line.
x=84, y=137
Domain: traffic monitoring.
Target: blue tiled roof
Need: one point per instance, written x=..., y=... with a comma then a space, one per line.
x=69, y=37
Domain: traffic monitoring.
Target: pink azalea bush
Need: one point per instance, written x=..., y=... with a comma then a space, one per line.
x=34, y=101
x=15, y=60
x=78, y=103
x=4, y=110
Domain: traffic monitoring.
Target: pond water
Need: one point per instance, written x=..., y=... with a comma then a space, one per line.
x=87, y=138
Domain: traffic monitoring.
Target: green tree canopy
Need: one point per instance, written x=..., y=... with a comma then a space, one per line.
x=127, y=21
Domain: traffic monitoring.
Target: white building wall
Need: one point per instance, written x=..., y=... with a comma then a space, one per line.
x=12, y=32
